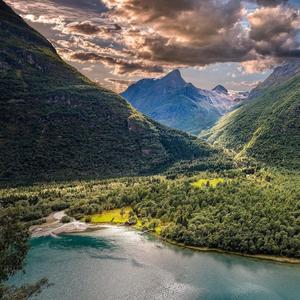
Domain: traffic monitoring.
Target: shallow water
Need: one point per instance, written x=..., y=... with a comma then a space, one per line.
x=119, y=263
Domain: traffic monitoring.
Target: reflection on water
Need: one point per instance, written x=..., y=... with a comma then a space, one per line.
x=118, y=263
x=67, y=242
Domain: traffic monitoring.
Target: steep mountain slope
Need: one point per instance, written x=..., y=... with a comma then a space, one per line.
x=279, y=75
x=267, y=126
x=55, y=123
x=178, y=104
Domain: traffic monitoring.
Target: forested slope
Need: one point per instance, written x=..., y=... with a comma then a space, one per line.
x=56, y=124
x=266, y=126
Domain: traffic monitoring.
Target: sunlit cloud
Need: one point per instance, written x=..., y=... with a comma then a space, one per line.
x=136, y=38
x=118, y=85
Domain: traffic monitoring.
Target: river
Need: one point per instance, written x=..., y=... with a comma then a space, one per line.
x=120, y=263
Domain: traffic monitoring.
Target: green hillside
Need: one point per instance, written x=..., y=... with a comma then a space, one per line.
x=266, y=127
x=56, y=124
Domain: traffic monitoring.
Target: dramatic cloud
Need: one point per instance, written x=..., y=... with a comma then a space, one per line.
x=89, y=28
x=84, y=28
x=95, y=6
x=260, y=64
x=147, y=37
x=192, y=21
x=275, y=38
x=186, y=32
x=193, y=32
x=121, y=66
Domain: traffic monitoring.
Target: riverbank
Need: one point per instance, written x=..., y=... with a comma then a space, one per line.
x=279, y=259
x=54, y=227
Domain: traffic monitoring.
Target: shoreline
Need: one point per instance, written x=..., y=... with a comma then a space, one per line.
x=271, y=258
x=53, y=227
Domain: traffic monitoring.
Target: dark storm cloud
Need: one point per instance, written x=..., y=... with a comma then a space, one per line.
x=189, y=32
x=160, y=49
x=192, y=20
x=193, y=32
x=90, y=28
x=84, y=27
x=121, y=66
x=278, y=39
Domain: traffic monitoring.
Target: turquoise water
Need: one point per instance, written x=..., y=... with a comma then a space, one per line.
x=119, y=263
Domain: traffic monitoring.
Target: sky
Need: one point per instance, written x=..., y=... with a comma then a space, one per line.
x=235, y=43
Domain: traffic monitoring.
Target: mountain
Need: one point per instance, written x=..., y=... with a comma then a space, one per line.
x=56, y=124
x=279, y=75
x=220, y=89
x=178, y=104
x=267, y=125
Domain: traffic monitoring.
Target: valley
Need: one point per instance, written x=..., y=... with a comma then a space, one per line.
x=154, y=193
x=267, y=126
x=180, y=210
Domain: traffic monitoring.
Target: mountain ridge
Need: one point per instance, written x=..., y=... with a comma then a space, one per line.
x=178, y=104
x=57, y=124
x=266, y=127
x=220, y=89
x=279, y=74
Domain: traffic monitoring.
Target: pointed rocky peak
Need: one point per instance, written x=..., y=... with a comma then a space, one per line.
x=174, y=74
x=173, y=79
x=220, y=89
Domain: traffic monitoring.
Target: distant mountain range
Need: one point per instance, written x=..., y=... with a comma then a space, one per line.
x=56, y=124
x=267, y=125
x=172, y=101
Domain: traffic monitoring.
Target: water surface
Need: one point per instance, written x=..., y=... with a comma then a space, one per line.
x=119, y=263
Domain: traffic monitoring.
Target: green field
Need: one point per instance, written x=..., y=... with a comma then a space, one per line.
x=213, y=182
x=112, y=216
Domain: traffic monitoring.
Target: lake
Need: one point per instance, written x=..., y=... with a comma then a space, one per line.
x=120, y=263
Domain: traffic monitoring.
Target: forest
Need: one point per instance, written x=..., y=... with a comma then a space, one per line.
x=242, y=210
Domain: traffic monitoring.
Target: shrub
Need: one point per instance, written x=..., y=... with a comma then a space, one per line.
x=65, y=219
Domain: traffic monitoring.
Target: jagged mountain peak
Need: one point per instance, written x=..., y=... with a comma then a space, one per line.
x=173, y=74
x=220, y=89
x=173, y=79
x=178, y=104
